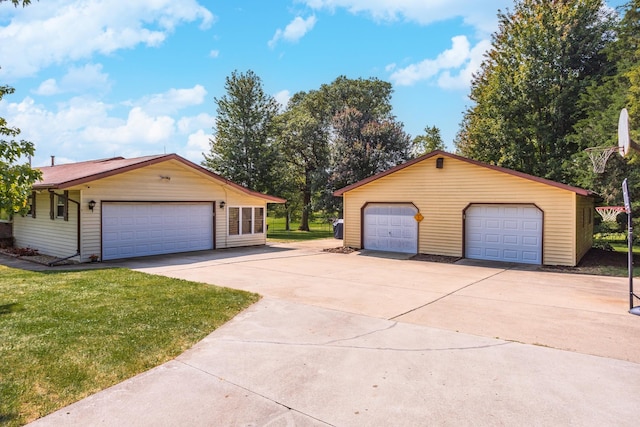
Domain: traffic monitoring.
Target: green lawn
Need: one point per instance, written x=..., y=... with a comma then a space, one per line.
x=66, y=335
x=276, y=230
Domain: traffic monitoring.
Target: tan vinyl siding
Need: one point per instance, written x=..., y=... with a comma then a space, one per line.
x=55, y=237
x=441, y=195
x=145, y=184
x=585, y=208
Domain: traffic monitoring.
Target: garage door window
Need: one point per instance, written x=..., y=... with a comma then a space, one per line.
x=246, y=220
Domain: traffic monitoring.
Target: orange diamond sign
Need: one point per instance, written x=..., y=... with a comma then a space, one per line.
x=418, y=217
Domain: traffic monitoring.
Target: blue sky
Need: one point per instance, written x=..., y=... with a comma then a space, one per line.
x=102, y=78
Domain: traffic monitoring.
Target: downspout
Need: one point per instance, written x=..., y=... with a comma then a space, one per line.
x=52, y=263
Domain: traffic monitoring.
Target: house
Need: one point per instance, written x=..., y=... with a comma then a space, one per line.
x=445, y=204
x=120, y=208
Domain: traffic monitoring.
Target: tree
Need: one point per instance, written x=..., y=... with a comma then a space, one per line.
x=430, y=141
x=601, y=104
x=16, y=175
x=304, y=143
x=242, y=147
x=365, y=137
x=543, y=57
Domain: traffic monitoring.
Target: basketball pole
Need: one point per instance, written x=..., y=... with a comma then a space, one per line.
x=627, y=205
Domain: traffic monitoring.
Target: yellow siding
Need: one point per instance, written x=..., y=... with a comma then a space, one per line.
x=55, y=237
x=585, y=208
x=441, y=195
x=145, y=184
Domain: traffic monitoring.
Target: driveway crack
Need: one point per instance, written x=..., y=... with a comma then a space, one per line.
x=447, y=295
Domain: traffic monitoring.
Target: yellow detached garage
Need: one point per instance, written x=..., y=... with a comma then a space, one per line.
x=445, y=204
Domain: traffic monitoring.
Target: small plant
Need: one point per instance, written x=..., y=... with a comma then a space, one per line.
x=94, y=257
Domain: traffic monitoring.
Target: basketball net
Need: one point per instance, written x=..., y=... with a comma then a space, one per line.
x=610, y=213
x=599, y=156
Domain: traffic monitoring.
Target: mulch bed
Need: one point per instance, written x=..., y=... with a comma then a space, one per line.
x=594, y=259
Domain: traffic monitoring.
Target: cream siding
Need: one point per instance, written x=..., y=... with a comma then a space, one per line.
x=57, y=237
x=585, y=208
x=442, y=195
x=146, y=184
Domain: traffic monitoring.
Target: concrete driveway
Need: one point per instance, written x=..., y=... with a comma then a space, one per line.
x=368, y=339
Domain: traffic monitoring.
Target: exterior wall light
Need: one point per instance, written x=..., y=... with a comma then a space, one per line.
x=92, y=204
x=222, y=204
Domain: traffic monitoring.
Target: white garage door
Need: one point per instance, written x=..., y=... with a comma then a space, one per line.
x=510, y=233
x=140, y=229
x=391, y=227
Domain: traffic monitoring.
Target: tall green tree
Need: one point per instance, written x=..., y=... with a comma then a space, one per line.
x=543, y=57
x=304, y=142
x=366, y=138
x=430, y=141
x=601, y=104
x=16, y=175
x=242, y=147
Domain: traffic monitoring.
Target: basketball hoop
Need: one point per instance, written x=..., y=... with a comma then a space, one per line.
x=599, y=156
x=610, y=213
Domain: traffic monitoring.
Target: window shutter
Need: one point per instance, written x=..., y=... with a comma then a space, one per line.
x=52, y=206
x=66, y=205
x=33, y=204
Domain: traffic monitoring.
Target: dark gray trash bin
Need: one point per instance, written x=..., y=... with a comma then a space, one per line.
x=337, y=228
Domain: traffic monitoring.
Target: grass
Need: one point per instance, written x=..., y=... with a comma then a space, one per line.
x=66, y=335
x=276, y=230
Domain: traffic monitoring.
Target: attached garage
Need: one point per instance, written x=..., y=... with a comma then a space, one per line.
x=141, y=229
x=118, y=208
x=453, y=206
x=391, y=227
x=504, y=232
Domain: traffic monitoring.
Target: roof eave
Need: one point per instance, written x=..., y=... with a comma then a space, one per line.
x=580, y=191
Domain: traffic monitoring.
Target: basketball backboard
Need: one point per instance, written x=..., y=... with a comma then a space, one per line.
x=625, y=143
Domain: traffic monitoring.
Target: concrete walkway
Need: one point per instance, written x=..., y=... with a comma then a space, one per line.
x=367, y=340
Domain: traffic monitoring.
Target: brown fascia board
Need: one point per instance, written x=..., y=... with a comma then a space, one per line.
x=152, y=161
x=523, y=175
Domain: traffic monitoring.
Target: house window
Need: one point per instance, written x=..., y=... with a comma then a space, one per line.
x=258, y=221
x=60, y=207
x=246, y=220
x=234, y=221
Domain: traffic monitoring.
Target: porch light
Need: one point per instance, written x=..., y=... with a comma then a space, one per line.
x=222, y=204
x=92, y=204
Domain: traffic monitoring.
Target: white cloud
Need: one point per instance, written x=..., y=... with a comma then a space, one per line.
x=452, y=69
x=450, y=58
x=49, y=34
x=193, y=123
x=139, y=128
x=294, y=31
x=473, y=12
x=197, y=144
x=83, y=128
x=172, y=100
x=463, y=79
x=77, y=80
x=214, y=53
x=283, y=97
x=47, y=87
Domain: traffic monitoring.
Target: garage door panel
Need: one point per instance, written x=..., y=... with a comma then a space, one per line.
x=504, y=232
x=140, y=229
x=390, y=228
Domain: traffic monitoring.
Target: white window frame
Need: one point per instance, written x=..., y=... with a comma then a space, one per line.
x=252, y=225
